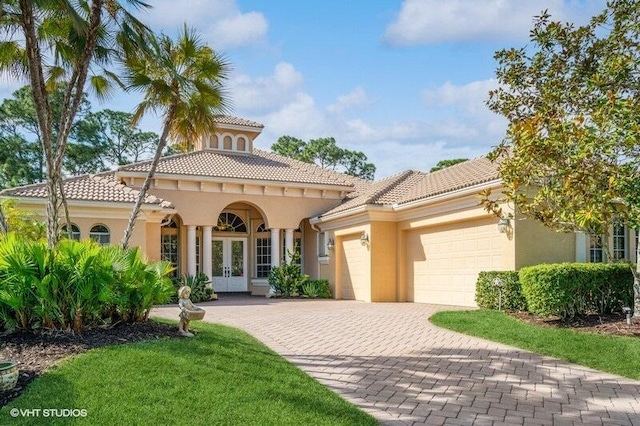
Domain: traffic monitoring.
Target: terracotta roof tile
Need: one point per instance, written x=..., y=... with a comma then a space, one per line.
x=412, y=185
x=228, y=119
x=260, y=165
x=99, y=187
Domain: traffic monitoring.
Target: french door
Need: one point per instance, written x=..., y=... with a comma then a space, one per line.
x=229, y=261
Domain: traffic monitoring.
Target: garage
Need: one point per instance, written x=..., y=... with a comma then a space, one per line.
x=442, y=263
x=354, y=275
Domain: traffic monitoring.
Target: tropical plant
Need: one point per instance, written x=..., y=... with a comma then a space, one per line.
x=182, y=80
x=53, y=41
x=200, y=285
x=318, y=289
x=287, y=279
x=76, y=284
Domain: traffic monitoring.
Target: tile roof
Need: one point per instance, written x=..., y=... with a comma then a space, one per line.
x=99, y=187
x=412, y=185
x=260, y=165
x=236, y=121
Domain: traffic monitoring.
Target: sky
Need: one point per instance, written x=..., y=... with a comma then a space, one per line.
x=405, y=82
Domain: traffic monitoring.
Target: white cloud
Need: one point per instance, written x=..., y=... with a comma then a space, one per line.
x=436, y=21
x=255, y=95
x=220, y=21
x=356, y=98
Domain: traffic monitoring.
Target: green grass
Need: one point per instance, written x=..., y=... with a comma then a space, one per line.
x=222, y=376
x=613, y=354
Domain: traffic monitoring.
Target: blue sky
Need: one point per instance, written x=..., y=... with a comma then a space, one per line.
x=403, y=81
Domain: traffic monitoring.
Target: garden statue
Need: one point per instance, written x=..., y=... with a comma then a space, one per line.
x=188, y=311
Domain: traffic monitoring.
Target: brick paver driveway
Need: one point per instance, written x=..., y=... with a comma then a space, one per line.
x=388, y=359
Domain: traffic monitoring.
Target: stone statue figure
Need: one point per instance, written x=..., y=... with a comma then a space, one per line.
x=188, y=311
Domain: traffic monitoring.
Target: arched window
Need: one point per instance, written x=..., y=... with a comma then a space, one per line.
x=242, y=144
x=170, y=246
x=75, y=232
x=101, y=234
x=229, y=222
x=262, y=228
x=227, y=143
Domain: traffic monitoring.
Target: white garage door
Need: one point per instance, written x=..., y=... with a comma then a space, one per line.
x=353, y=269
x=443, y=262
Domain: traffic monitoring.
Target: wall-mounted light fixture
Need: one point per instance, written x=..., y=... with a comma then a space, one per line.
x=330, y=245
x=503, y=225
x=364, y=239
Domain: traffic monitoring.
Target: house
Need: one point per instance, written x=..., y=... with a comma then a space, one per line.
x=233, y=212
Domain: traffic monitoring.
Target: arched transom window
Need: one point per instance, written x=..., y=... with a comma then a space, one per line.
x=229, y=222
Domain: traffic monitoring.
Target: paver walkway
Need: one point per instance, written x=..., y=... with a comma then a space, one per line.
x=389, y=360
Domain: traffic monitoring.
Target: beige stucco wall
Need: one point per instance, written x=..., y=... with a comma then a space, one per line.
x=203, y=208
x=383, y=248
x=536, y=244
x=353, y=264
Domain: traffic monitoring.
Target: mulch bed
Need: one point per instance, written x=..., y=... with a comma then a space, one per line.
x=614, y=324
x=35, y=352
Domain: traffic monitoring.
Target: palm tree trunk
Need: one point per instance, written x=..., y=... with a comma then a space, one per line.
x=43, y=113
x=147, y=182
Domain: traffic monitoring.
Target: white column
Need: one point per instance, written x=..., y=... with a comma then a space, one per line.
x=191, y=249
x=207, y=266
x=288, y=244
x=275, y=247
x=582, y=247
x=275, y=254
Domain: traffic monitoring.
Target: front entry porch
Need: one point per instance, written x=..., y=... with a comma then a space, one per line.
x=229, y=258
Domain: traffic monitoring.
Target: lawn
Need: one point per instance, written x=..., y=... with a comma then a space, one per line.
x=222, y=376
x=613, y=354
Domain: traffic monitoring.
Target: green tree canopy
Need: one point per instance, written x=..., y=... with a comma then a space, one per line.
x=443, y=164
x=326, y=153
x=571, y=154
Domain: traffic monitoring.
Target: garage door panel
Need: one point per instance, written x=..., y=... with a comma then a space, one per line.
x=443, y=263
x=353, y=268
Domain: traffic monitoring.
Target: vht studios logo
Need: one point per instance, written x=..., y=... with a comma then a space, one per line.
x=48, y=412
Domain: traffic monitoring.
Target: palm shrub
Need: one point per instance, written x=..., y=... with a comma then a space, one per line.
x=200, y=290
x=75, y=284
x=316, y=289
x=287, y=279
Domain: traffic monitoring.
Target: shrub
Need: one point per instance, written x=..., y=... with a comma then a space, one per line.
x=201, y=291
x=570, y=289
x=488, y=295
x=316, y=289
x=287, y=279
x=75, y=284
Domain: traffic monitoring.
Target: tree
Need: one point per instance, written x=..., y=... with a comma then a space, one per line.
x=124, y=142
x=443, y=164
x=572, y=148
x=327, y=154
x=183, y=80
x=78, y=40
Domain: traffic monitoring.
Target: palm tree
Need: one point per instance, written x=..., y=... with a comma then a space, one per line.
x=62, y=40
x=181, y=80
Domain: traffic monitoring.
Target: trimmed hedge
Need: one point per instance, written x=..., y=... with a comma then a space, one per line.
x=488, y=295
x=571, y=289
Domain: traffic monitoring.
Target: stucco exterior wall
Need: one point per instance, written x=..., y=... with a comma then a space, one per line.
x=383, y=249
x=203, y=208
x=536, y=244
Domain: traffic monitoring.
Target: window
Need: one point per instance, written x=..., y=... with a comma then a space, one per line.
x=619, y=242
x=198, y=254
x=322, y=244
x=75, y=232
x=242, y=144
x=229, y=222
x=169, y=248
x=263, y=251
x=596, y=254
x=297, y=246
x=100, y=233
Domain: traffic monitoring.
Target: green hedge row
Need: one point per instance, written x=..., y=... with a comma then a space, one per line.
x=565, y=289
x=570, y=289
